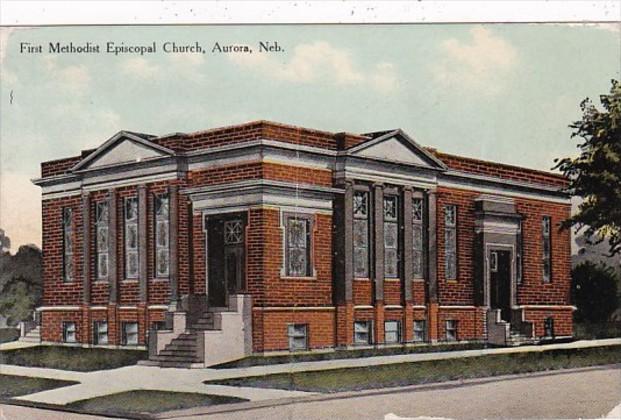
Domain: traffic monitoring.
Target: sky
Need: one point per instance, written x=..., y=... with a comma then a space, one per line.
x=501, y=92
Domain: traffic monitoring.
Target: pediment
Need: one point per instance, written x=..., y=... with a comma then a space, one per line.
x=396, y=147
x=123, y=148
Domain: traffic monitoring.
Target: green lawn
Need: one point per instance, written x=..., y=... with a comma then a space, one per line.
x=138, y=402
x=71, y=358
x=346, y=354
x=431, y=371
x=13, y=386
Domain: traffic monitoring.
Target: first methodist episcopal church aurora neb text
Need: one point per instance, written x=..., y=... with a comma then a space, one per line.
x=265, y=238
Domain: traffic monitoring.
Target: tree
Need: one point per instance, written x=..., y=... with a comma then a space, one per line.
x=595, y=175
x=18, y=299
x=594, y=291
x=5, y=242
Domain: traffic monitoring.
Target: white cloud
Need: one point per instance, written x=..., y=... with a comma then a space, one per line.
x=4, y=41
x=481, y=63
x=73, y=78
x=140, y=68
x=320, y=61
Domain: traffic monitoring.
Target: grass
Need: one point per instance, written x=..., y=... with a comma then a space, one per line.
x=13, y=386
x=71, y=358
x=148, y=402
x=431, y=371
x=8, y=334
x=345, y=354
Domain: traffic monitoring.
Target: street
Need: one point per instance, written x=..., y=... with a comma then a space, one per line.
x=583, y=394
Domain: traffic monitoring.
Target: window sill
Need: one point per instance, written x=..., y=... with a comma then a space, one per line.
x=418, y=280
x=100, y=282
x=392, y=279
x=160, y=279
x=129, y=281
x=451, y=281
x=298, y=278
x=362, y=279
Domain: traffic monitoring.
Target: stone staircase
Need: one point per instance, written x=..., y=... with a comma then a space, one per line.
x=32, y=336
x=518, y=332
x=200, y=336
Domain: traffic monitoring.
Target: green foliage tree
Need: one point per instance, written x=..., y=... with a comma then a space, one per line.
x=18, y=299
x=595, y=175
x=594, y=291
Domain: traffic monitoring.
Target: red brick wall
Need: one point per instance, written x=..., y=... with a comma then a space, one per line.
x=563, y=320
x=362, y=292
x=418, y=293
x=392, y=292
x=270, y=328
x=470, y=323
x=533, y=291
x=461, y=290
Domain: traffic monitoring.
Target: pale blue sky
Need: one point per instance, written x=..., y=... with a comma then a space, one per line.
x=503, y=92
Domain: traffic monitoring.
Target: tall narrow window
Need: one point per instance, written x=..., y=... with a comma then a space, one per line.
x=361, y=234
x=162, y=246
x=67, y=244
x=101, y=225
x=546, y=237
x=391, y=236
x=298, y=246
x=450, y=242
x=417, y=238
x=131, y=238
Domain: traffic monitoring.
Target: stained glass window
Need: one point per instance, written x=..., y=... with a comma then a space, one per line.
x=450, y=242
x=391, y=236
x=67, y=244
x=298, y=247
x=547, y=246
x=131, y=238
x=417, y=238
x=101, y=226
x=361, y=234
x=162, y=236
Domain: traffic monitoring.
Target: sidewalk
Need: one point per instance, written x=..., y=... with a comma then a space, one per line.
x=99, y=383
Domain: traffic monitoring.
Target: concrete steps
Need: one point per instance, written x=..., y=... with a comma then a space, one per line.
x=33, y=336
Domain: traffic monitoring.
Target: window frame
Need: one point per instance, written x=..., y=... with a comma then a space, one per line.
x=546, y=248
x=454, y=328
x=65, y=330
x=292, y=335
x=159, y=219
x=396, y=221
x=419, y=331
x=362, y=219
x=451, y=252
x=102, y=226
x=548, y=326
x=68, y=269
x=125, y=333
x=519, y=260
x=369, y=332
x=97, y=333
x=397, y=331
x=310, y=263
x=127, y=223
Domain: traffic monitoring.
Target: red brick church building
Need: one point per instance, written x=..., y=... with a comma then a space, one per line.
x=263, y=238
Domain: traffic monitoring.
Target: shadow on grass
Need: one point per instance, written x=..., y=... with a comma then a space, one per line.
x=71, y=358
x=14, y=386
x=415, y=373
x=145, y=402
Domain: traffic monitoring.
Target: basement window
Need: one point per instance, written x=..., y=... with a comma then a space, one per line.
x=451, y=330
x=362, y=332
x=298, y=336
x=69, y=333
x=392, y=332
x=130, y=333
x=420, y=330
x=100, y=332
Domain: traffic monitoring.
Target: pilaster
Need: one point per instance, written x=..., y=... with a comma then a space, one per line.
x=378, y=228
x=142, y=242
x=113, y=268
x=174, y=241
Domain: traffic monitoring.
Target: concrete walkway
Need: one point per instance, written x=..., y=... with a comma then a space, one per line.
x=12, y=345
x=99, y=383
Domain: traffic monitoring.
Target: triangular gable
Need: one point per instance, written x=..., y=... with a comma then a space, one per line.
x=122, y=148
x=396, y=146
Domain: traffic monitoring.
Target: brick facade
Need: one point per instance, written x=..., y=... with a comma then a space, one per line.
x=329, y=300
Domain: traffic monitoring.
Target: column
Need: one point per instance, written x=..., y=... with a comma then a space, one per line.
x=407, y=245
x=378, y=228
x=113, y=250
x=142, y=242
x=348, y=218
x=432, y=267
x=86, y=248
